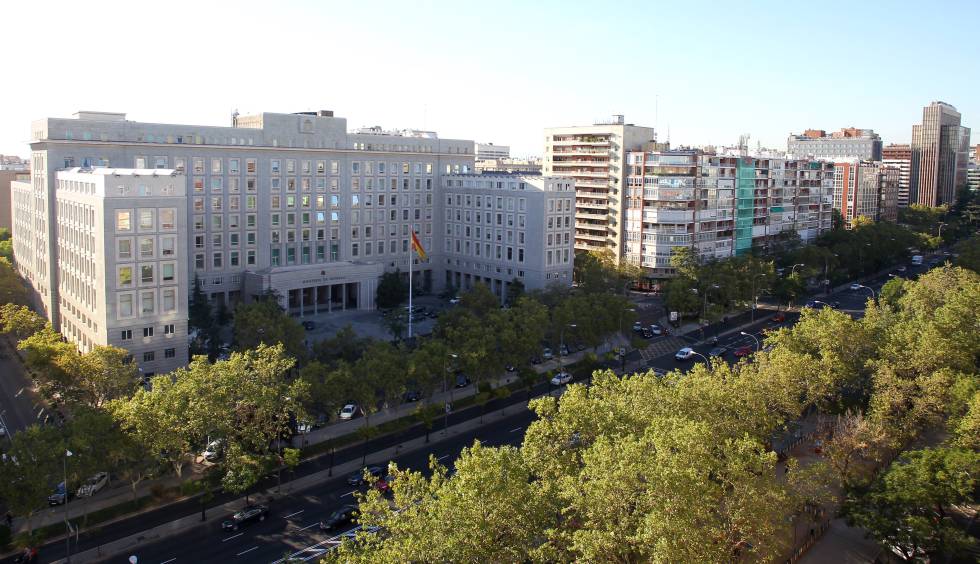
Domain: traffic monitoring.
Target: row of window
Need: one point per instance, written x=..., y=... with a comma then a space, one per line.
x=234, y=166
x=147, y=274
x=148, y=245
x=146, y=219
x=127, y=334
x=146, y=303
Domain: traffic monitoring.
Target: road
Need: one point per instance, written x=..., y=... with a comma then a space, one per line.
x=293, y=523
x=17, y=406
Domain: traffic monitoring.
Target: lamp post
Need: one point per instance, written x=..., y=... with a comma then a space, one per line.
x=756, y=339
x=706, y=361
x=794, y=267
x=826, y=271
x=561, y=345
x=446, y=388
x=67, y=524
x=704, y=310
x=755, y=298
x=872, y=290
x=940, y=234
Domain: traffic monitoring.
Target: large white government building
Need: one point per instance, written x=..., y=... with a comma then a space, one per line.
x=290, y=203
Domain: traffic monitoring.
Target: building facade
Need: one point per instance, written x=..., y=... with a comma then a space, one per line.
x=899, y=157
x=7, y=176
x=500, y=228
x=595, y=157
x=866, y=189
x=939, y=156
x=509, y=166
x=848, y=143
x=721, y=205
x=488, y=151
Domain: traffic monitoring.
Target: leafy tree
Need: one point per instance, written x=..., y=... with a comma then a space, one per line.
x=264, y=322
x=242, y=470
x=199, y=310
x=787, y=289
x=7, y=250
x=395, y=324
x=479, y=301
x=892, y=291
x=20, y=320
x=968, y=253
x=514, y=291
x=104, y=374
x=344, y=346
x=45, y=352
x=392, y=290
x=908, y=507
x=12, y=289
x=29, y=470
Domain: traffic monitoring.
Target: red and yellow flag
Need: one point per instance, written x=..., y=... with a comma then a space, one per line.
x=417, y=245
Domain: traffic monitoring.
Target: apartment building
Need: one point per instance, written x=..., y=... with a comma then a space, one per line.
x=940, y=147
x=867, y=189
x=899, y=157
x=595, y=157
x=6, y=177
x=509, y=166
x=848, y=143
x=500, y=228
x=722, y=205
x=488, y=151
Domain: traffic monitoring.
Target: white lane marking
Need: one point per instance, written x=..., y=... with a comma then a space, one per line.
x=291, y=514
x=232, y=537
x=516, y=430
x=348, y=493
x=309, y=526
x=247, y=551
x=168, y=561
x=441, y=457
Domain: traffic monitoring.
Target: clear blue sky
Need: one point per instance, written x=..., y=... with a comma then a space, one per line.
x=500, y=71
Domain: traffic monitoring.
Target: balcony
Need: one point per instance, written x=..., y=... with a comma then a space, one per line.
x=668, y=216
x=593, y=205
x=582, y=141
x=586, y=215
x=589, y=237
x=576, y=172
x=590, y=183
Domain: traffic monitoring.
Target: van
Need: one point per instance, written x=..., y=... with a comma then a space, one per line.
x=917, y=260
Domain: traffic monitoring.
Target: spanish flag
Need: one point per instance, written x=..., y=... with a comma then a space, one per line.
x=417, y=245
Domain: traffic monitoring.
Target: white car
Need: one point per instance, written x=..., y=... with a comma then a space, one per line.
x=455, y=300
x=93, y=485
x=214, y=450
x=855, y=287
x=687, y=353
x=348, y=411
x=561, y=378
x=547, y=354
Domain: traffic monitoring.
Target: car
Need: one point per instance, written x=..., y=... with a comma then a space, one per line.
x=303, y=427
x=248, y=514
x=656, y=329
x=744, y=350
x=309, y=325
x=412, y=396
x=546, y=354
x=510, y=368
x=686, y=353
x=93, y=485
x=60, y=495
x=718, y=351
x=348, y=411
x=647, y=333
x=779, y=317
x=637, y=327
x=462, y=381
x=563, y=350
x=579, y=347
x=357, y=478
x=455, y=300
x=855, y=287
x=3, y=430
x=340, y=517
x=561, y=378
x=383, y=484
x=535, y=360
x=902, y=269
x=214, y=450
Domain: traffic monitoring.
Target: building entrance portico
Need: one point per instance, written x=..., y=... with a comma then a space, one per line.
x=310, y=290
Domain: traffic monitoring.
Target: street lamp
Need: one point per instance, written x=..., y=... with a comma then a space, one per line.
x=67, y=524
x=706, y=361
x=704, y=310
x=757, y=344
x=445, y=388
x=561, y=345
x=940, y=235
x=755, y=298
x=794, y=267
x=826, y=271
x=872, y=290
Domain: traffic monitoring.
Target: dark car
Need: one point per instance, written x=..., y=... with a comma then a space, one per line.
x=647, y=333
x=510, y=368
x=744, y=350
x=249, y=514
x=60, y=496
x=357, y=478
x=383, y=485
x=462, y=381
x=718, y=351
x=535, y=360
x=309, y=325
x=340, y=517
x=412, y=396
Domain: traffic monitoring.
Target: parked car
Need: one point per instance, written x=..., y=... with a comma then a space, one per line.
x=637, y=327
x=656, y=329
x=60, y=495
x=855, y=287
x=383, y=484
x=561, y=378
x=455, y=300
x=214, y=450
x=303, y=427
x=718, y=351
x=340, y=517
x=744, y=350
x=563, y=350
x=462, y=381
x=3, y=430
x=93, y=485
x=412, y=396
x=546, y=354
x=779, y=317
x=348, y=411
x=686, y=353
x=357, y=478
x=510, y=368
x=248, y=514
x=647, y=333
x=309, y=325
x=535, y=360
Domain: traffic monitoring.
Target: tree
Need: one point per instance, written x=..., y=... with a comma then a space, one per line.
x=789, y=288
x=12, y=289
x=392, y=290
x=395, y=324
x=479, y=300
x=264, y=322
x=46, y=356
x=892, y=291
x=514, y=291
x=199, y=310
x=907, y=508
x=242, y=470
x=29, y=469
x=344, y=346
x=104, y=374
x=20, y=320
x=968, y=253
x=853, y=438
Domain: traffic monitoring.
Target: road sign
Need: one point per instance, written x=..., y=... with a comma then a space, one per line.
x=449, y=407
x=674, y=316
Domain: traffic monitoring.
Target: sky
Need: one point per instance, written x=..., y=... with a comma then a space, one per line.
x=705, y=71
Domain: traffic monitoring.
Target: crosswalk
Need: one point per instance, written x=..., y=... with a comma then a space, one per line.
x=661, y=347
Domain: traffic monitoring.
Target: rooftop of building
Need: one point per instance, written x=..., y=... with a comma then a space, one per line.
x=105, y=171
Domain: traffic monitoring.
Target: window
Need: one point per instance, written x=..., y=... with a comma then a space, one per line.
x=124, y=249
x=216, y=260
x=169, y=353
x=124, y=277
x=147, y=303
x=148, y=356
x=250, y=258
x=168, y=246
x=167, y=216
x=169, y=297
x=125, y=305
x=126, y=335
x=146, y=220
x=146, y=274
x=215, y=166
x=124, y=219
x=167, y=271
x=146, y=247
x=148, y=331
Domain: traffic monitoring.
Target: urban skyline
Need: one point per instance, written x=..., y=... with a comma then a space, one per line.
x=666, y=95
